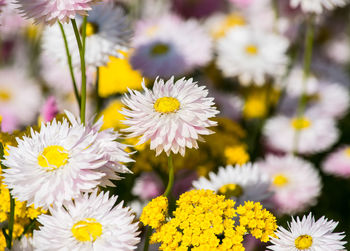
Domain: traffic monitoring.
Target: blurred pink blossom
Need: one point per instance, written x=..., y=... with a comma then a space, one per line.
x=148, y=186
x=338, y=162
x=49, y=110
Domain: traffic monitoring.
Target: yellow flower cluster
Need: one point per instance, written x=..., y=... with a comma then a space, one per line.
x=236, y=155
x=155, y=212
x=204, y=220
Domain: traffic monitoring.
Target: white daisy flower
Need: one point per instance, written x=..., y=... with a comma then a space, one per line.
x=60, y=161
x=88, y=223
x=308, y=234
x=252, y=55
x=172, y=116
x=168, y=46
x=315, y=134
x=20, y=98
x=241, y=183
x=23, y=244
x=338, y=162
x=107, y=32
x=332, y=100
x=294, y=83
x=317, y=6
x=296, y=183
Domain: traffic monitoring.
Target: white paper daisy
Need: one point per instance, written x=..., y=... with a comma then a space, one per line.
x=296, y=183
x=317, y=6
x=316, y=134
x=60, y=161
x=20, y=98
x=252, y=55
x=241, y=183
x=168, y=46
x=89, y=223
x=107, y=32
x=172, y=115
x=308, y=234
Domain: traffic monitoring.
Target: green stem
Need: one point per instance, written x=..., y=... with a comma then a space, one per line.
x=171, y=176
x=148, y=235
x=69, y=60
x=11, y=221
x=81, y=46
x=97, y=96
x=309, y=39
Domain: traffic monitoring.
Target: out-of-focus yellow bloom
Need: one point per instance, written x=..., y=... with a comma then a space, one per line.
x=236, y=155
x=229, y=22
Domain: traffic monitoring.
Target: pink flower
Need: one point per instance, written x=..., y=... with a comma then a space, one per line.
x=242, y=3
x=49, y=110
x=50, y=11
x=148, y=186
x=338, y=162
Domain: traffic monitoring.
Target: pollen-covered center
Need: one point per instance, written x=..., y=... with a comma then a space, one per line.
x=347, y=151
x=91, y=28
x=280, y=180
x=303, y=242
x=167, y=105
x=159, y=49
x=5, y=95
x=53, y=157
x=231, y=190
x=251, y=49
x=87, y=230
x=301, y=123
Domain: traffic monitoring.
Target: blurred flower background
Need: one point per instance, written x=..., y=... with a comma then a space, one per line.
x=247, y=98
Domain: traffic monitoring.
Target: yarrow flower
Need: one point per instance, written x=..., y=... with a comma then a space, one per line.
x=338, y=162
x=62, y=160
x=240, y=183
x=252, y=55
x=155, y=212
x=296, y=183
x=308, y=234
x=315, y=134
x=317, y=6
x=172, y=115
x=206, y=221
x=107, y=33
x=51, y=11
x=90, y=222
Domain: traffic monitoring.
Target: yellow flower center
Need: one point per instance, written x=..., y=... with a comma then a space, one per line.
x=236, y=155
x=159, y=49
x=53, y=157
x=255, y=107
x=231, y=190
x=167, y=105
x=301, y=123
x=87, y=230
x=280, y=180
x=251, y=49
x=303, y=242
x=231, y=21
x=5, y=95
x=347, y=151
x=91, y=29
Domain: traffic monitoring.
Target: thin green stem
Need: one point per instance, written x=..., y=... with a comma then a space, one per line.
x=171, y=176
x=309, y=39
x=148, y=235
x=69, y=60
x=81, y=46
x=11, y=221
x=97, y=96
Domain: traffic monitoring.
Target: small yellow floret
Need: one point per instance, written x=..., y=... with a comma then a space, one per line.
x=236, y=155
x=53, y=157
x=91, y=29
x=255, y=106
x=231, y=190
x=5, y=95
x=166, y=105
x=280, y=180
x=117, y=76
x=347, y=151
x=231, y=21
x=155, y=212
x=301, y=123
x=87, y=230
x=303, y=242
x=251, y=49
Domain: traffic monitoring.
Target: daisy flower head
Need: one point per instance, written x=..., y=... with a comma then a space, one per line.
x=295, y=182
x=170, y=46
x=252, y=55
x=172, y=115
x=107, y=32
x=315, y=134
x=60, y=161
x=294, y=83
x=308, y=234
x=338, y=162
x=317, y=6
x=241, y=183
x=51, y=11
x=90, y=222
